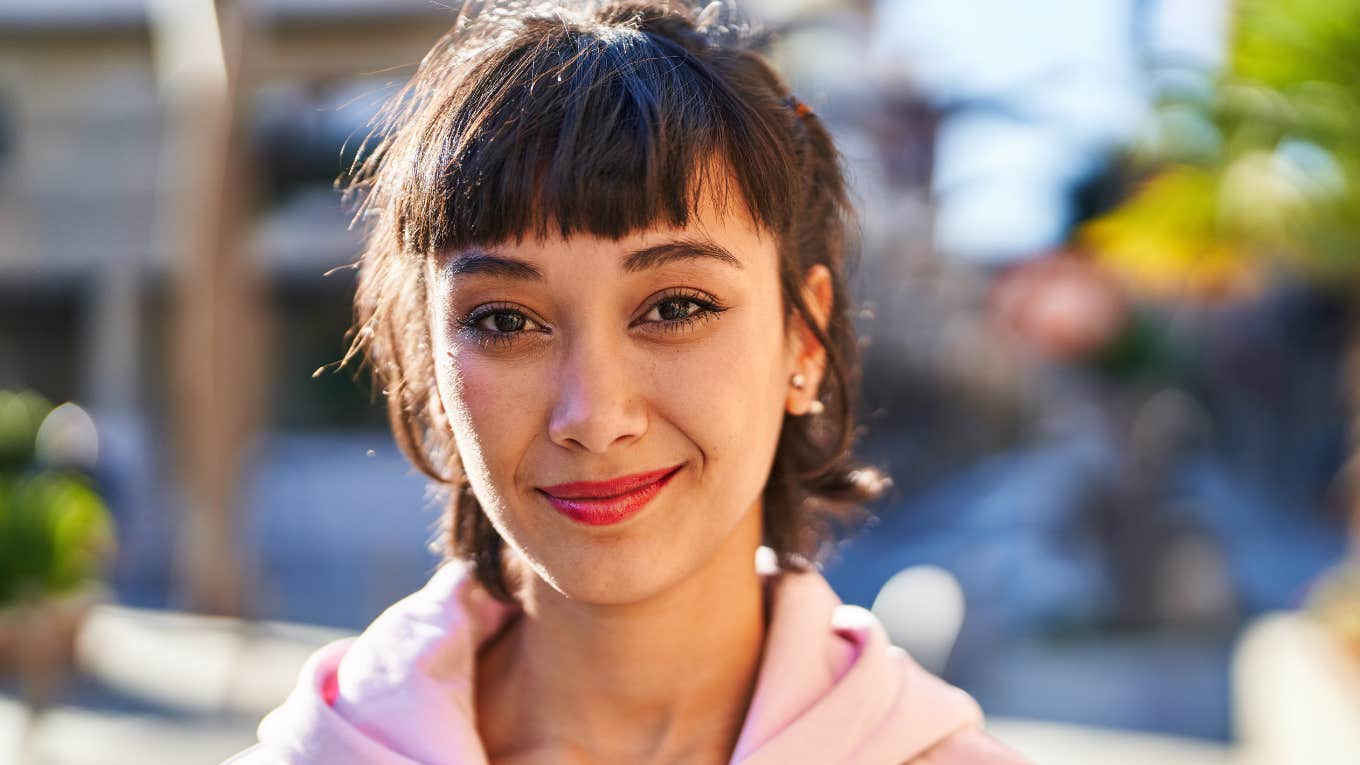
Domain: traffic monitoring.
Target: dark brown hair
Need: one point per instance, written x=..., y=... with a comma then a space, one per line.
x=601, y=118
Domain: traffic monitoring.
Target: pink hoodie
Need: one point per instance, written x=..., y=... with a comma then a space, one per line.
x=831, y=689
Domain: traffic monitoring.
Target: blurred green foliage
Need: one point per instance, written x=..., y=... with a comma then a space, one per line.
x=55, y=531
x=1253, y=168
x=21, y=414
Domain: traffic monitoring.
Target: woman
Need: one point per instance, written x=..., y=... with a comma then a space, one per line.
x=605, y=294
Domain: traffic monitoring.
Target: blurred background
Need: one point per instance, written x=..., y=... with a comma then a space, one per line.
x=1108, y=297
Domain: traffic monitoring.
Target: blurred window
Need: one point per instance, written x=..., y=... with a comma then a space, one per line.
x=307, y=133
x=39, y=338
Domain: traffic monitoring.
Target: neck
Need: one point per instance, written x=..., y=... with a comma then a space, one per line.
x=664, y=679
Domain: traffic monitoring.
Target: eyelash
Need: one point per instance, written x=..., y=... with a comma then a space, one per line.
x=708, y=308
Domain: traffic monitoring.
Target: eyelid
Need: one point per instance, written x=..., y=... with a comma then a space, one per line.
x=476, y=315
x=699, y=297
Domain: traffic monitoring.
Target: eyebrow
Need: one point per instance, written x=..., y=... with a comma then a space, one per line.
x=490, y=263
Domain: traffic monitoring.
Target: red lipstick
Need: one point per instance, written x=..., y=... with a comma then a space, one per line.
x=601, y=503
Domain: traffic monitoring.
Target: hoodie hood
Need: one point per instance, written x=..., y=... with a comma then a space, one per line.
x=830, y=689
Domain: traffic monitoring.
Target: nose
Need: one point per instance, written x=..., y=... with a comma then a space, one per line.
x=598, y=402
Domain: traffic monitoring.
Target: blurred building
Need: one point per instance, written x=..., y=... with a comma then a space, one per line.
x=88, y=204
x=83, y=259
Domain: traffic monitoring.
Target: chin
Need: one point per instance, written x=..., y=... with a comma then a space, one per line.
x=609, y=572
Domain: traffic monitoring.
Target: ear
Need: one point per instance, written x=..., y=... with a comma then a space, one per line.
x=808, y=357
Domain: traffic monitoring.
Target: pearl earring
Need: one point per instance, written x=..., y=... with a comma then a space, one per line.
x=799, y=381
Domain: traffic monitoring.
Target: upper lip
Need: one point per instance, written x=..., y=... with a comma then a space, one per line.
x=610, y=488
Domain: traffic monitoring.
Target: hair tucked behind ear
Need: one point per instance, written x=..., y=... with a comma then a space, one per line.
x=601, y=118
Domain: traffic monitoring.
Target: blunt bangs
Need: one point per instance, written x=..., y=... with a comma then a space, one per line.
x=589, y=128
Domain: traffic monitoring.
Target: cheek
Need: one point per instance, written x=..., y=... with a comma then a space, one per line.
x=724, y=395
x=493, y=397
x=491, y=408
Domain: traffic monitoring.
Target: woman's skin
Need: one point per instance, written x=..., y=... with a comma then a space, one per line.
x=640, y=641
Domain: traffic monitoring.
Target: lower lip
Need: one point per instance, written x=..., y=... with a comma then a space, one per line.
x=609, y=510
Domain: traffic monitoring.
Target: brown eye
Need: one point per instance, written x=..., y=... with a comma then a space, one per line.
x=677, y=312
x=496, y=326
x=674, y=309
x=503, y=321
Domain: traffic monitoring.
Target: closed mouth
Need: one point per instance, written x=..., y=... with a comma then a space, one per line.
x=602, y=509
x=608, y=489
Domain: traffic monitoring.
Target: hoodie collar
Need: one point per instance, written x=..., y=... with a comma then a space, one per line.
x=831, y=688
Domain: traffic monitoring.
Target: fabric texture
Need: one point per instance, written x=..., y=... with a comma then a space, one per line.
x=830, y=689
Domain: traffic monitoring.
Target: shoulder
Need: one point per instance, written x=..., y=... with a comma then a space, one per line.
x=970, y=746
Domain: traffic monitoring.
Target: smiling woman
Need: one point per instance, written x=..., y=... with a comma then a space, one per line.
x=605, y=294
x=659, y=350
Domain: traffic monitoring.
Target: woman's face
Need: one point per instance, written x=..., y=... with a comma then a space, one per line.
x=586, y=359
